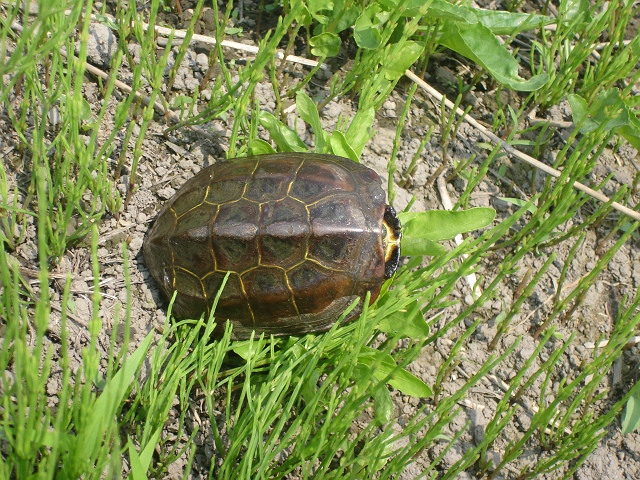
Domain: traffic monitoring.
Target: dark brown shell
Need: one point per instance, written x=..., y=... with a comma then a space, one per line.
x=301, y=234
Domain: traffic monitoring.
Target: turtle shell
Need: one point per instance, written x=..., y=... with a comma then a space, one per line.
x=301, y=236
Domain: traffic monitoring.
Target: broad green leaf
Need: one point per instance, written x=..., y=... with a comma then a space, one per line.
x=379, y=461
x=286, y=139
x=305, y=17
x=106, y=21
x=631, y=415
x=325, y=45
x=85, y=112
x=409, y=384
x=383, y=406
x=401, y=380
x=398, y=32
x=317, y=6
x=477, y=43
x=368, y=25
x=257, y=146
x=181, y=101
x=416, y=247
x=308, y=111
x=571, y=10
x=246, y=349
x=607, y=111
x=436, y=9
x=507, y=23
x=346, y=19
x=85, y=107
x=359, y=131
x=233, y=30
x=362, y=376
x=579, y=108
x=310, y=387
x=335, y=19
x=631, y=132
x=411, y=8
x=439, y=225
x=340, y=146
x=444, y=10
x=408, y=323
x=400, y=59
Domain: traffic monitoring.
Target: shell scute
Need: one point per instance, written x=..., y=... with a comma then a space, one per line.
x=300, y=235
x=270, y=180
x=233, y=302
x=317, y=180
x=268, y=283
x=284, y=232
x=234, y=236
x=315, y=286
x=192, y=193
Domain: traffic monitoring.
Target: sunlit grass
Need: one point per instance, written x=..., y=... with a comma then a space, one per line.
x=269, y=408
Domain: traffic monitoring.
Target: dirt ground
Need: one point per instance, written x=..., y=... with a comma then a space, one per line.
x=169, y=162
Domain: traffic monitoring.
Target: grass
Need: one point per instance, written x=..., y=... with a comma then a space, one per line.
x=269, y=408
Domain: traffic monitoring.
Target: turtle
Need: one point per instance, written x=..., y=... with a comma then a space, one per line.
x=300, y=236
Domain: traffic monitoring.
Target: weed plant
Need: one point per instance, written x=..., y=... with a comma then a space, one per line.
x=320, y=406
